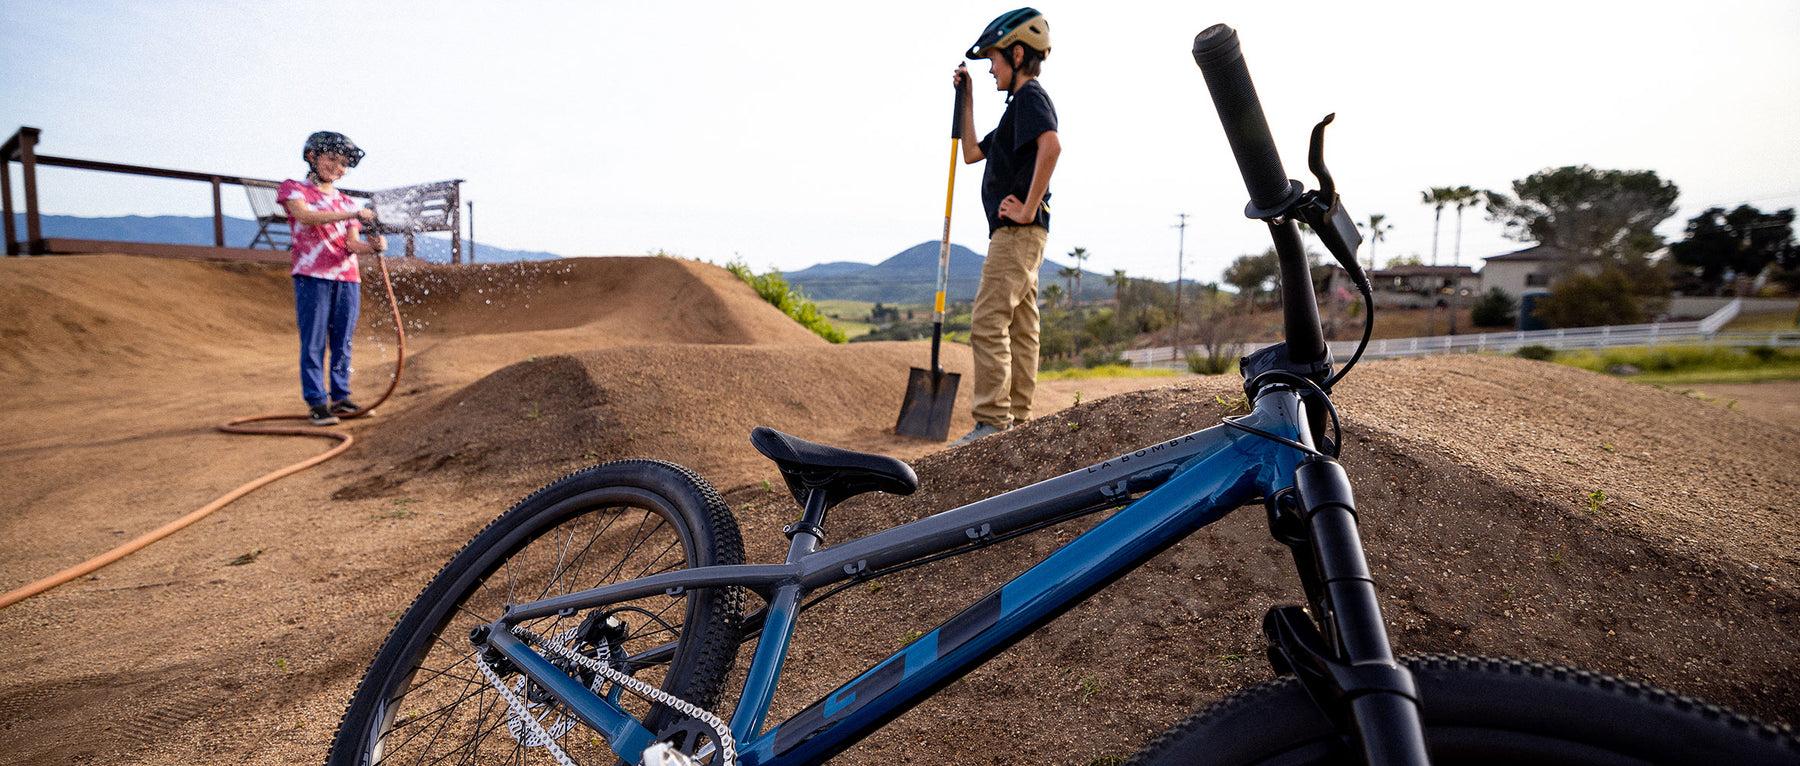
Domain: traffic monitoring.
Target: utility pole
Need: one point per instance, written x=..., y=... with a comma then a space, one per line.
x=471, y=231
x=1180, y=258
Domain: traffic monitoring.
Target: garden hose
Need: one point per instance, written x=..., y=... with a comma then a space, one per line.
x=237, y=426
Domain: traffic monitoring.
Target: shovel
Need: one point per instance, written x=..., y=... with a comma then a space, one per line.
x=931, y=394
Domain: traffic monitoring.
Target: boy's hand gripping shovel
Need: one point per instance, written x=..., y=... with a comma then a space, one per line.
x=931, y=394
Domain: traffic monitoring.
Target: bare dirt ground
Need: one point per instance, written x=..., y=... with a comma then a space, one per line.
x=1511, y=507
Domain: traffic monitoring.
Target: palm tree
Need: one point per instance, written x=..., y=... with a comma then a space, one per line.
x=1052, y=294
x=1069, y=275
x=1465, y=197
x=1079, y=254
x=1118, y=280
x=1378, y=227
x=1437, y=196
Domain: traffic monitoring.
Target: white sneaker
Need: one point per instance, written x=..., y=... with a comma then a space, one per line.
x=981, y=430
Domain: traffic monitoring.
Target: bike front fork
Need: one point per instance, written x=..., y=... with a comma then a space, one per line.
x=1353, y=677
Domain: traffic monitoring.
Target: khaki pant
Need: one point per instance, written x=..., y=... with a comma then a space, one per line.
x=1004, y=328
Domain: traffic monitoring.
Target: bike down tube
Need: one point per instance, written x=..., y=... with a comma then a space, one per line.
x=1234, y=468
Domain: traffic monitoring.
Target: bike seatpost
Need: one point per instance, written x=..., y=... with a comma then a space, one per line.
x=1272, y=193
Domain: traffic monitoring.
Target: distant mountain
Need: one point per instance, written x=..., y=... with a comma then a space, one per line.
x=239, y=232
x=911, y=277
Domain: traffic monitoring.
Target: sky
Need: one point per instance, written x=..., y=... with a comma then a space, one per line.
x=786, y=134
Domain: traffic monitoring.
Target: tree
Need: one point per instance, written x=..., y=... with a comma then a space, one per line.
x=1438, y=197
x=1080, y=255
x=1119, y=282
x=1494, y=309
x=1599, y=217
x=1741, y=243
x=1053, y=294
x=1463, y=197
x=1069, y=275
x=1378, y=227
x=1252, y=274
x=1580, y=300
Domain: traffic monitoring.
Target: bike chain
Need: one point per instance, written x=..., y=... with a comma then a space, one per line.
x=727, y=745
x=523, y=713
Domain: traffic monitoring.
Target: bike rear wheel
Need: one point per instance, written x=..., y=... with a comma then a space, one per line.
x=1480, y=710
x=425, y=700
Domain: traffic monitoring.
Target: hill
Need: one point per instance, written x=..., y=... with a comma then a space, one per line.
x=240, y=232
x=910, y=276
x=1512, y=507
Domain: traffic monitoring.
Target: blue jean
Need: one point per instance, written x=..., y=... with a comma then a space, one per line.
x=326, y=311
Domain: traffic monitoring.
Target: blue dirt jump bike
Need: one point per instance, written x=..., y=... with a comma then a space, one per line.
x=600, y=618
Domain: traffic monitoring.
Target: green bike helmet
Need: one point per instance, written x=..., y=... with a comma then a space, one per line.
x=327, y=141
x=1025, y=26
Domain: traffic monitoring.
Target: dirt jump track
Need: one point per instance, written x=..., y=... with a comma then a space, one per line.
x=1511, y=508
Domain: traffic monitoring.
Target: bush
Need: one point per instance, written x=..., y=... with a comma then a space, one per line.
x=1102, y=357
x=1540, y=353
x=773, y=287
x=1203, y=364
x=1495, y=309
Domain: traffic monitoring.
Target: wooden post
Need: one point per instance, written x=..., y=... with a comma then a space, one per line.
x=218, y=216
x=34, y=229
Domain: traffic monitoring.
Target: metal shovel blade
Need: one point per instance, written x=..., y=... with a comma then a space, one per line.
x=930, y=400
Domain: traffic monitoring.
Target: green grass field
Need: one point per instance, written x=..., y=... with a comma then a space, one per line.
x=1692, y=365
x=853, y=316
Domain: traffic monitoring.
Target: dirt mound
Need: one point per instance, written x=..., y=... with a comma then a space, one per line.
x=691, y=404
x=619, y=300
x=74, y=316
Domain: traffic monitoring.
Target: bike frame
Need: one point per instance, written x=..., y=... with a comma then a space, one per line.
x=1187, y=483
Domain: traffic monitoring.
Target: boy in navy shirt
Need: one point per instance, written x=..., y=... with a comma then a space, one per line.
x=1021, y=154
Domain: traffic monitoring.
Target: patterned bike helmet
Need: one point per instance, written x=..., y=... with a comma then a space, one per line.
x=327, y=141
x=1025, y=26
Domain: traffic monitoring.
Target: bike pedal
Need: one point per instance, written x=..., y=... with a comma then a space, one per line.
x=665, y=754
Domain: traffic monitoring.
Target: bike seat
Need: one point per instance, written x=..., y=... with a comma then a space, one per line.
x=842, y=473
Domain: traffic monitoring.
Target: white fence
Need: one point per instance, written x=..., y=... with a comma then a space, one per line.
x=1704, y=332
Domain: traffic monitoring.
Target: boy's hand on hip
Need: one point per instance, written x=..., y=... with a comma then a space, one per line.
x=1013, y=210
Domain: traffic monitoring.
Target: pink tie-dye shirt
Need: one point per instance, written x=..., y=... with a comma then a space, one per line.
x=320, y=251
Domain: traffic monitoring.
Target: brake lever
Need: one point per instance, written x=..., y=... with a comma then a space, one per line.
x=1324, y=212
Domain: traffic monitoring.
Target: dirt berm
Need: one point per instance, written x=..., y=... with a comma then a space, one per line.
x=1510, y=507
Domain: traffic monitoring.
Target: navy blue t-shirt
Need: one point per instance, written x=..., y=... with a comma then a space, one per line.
x=1012, y=154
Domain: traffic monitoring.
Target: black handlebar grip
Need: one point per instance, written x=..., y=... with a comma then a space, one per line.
x=1240, y=112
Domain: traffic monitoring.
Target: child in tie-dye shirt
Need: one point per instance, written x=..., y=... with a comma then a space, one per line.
x=327, y=236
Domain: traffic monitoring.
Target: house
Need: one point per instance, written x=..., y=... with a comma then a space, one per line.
x=1523, y=272
x=1426, y=280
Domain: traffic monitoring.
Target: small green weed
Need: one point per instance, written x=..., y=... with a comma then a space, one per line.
x=911, y=636
x=1234, y=405
x=1090, y=685
x=1595, y=500
x=1229, y=660
x=402, y=508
